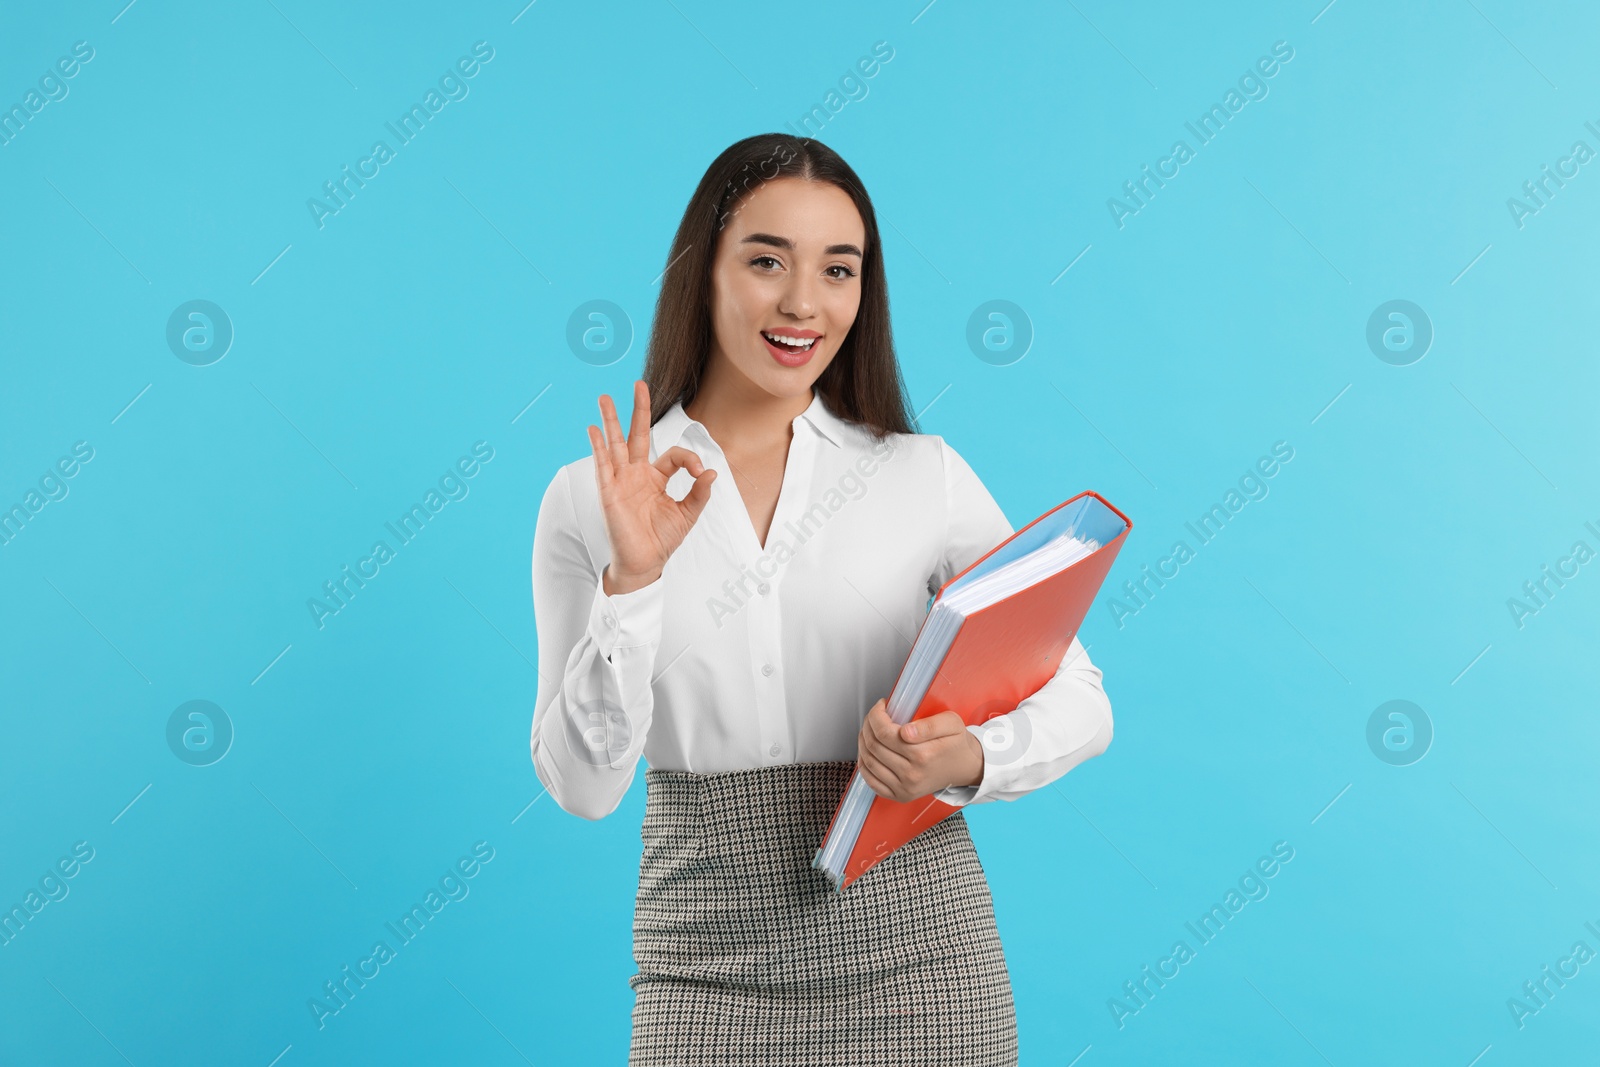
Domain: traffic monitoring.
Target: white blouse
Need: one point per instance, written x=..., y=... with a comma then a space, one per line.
x=742, y=655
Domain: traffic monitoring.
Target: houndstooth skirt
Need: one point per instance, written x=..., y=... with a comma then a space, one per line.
x=747, y=955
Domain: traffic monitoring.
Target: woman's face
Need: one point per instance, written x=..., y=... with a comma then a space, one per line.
x=788, y=264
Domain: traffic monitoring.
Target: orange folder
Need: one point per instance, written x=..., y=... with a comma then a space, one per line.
x=1002, y=654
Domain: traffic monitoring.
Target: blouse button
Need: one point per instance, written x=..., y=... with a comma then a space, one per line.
x=766, y=668
x=763, y=588
x=776, y=748
x=610, y=621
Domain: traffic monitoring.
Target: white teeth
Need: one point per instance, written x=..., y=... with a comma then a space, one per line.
x=791, y=342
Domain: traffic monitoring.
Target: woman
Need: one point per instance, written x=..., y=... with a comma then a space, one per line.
x=726, y=590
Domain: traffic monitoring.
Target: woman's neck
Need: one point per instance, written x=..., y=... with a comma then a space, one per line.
x=743, y=417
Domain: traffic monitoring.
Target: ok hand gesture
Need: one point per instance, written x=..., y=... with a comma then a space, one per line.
x=643, y=523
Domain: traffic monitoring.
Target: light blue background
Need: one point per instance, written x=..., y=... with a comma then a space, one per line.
x=1228, y=314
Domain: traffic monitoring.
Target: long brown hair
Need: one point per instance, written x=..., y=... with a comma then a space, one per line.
x=863, y=382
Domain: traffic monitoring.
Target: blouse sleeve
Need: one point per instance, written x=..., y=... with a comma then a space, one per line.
x=596, y=655
x=1068, y=720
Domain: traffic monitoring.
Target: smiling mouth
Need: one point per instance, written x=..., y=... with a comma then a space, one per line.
x=789, y=342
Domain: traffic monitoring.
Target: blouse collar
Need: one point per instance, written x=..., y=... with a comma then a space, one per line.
x=675, y=422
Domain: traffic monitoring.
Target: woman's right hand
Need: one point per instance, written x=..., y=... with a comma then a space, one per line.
x=644, y=524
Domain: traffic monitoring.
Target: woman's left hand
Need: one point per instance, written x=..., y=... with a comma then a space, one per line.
x=919, y=758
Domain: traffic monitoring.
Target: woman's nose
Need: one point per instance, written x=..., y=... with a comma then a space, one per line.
x=797, y=299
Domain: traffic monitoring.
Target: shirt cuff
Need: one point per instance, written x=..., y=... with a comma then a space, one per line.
x=961, y=795
x=625, y=620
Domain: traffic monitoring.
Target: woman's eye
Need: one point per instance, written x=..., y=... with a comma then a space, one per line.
x=848, y=273
x=764, y=259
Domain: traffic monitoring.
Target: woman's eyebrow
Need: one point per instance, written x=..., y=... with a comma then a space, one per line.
x=784, y=242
